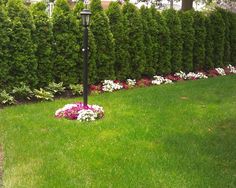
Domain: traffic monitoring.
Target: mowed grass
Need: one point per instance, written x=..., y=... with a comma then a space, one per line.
x=180, y=135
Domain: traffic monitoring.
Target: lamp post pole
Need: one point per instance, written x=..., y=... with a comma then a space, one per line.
x=85, y=67
x=85, y=14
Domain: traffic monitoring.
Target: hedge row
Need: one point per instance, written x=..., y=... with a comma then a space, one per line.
x=124, y=42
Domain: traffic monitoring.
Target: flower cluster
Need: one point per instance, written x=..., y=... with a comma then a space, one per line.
x=80, y=112
x=110, y=85
x=130, y=82
x=194, y=76
x=231, y=69
x=160, y=80
x=220, y=71
x=180, y=74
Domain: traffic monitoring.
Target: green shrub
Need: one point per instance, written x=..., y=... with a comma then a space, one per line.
x=43, y=38
x=116, y=19
x=233, y=38
x=4, y=51
x=218, y=37
x=76, y=89
x=6, y=98
x=150, y=41
x=66, y=47
x=162, y=61
x=23, y=67
x=105, y=46
x=176, y=42
x=226, y=18
x=209, y=45
x=43, y=94
x=22, y=91
x=134, y=31
x=199, y=41
x=188, y=40
x=56, y=88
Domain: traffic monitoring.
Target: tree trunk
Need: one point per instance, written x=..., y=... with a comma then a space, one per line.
x=171, y=3
x=187, y=5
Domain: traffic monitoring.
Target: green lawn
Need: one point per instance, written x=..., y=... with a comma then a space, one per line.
x=180, y=135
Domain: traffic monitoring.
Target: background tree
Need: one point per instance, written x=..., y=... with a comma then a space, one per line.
x=4, y=51
x=43, y=38
x=176, y=42
x=226, y=18
x=149, y=40
x=209, y=45
x=233, y=37
x=116, y=19
x=163, y=52
x=22, y=49
x=199, y=41
x=65, y=48
x=134, y=29
x=218, y=37
x=188, y=40
x=105, y=43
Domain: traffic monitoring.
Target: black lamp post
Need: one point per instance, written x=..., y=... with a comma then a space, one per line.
x=85, y=14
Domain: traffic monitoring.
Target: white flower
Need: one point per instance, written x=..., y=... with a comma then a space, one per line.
x=131, y=82
x=158, y=80
x=167, y=81
x=86, y=115
x=181, y=75
x=109, y=85
x=231, y=69
x=199, y=75
x=220, y=71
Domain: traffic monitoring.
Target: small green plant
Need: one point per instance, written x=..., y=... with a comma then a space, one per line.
x=43, y=94
x=76, y=89
x=22, y=92
x=56, y=88
x=6, y=98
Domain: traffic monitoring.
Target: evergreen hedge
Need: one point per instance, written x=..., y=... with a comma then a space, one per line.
x=124, y=42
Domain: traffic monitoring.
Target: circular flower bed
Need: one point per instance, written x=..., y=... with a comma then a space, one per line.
x=78, y=111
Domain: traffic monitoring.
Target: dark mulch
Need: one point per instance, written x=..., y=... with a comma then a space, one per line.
x=1, y=166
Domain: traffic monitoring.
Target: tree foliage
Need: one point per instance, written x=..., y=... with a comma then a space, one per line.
x=199, y=41
x=134, y=29
x=43, y=38
x=65, y=48
x=176, y=42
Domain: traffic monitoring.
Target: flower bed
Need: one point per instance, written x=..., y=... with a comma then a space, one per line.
x=78, y=111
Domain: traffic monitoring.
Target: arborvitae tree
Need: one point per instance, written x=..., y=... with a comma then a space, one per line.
x=148, y=24
x=226, y=18
x=218, y=38
x=23, y=63
x=22, y=49
x=65, y=48
x=208, y=45
x=4, y=51
x=155, y=38
x=105, y=46
x=104, y=41
x=96, y=6
x=92, y=76
x=199, y=41
x=233, y=37
x=115, y=16
x=188, y=40
x=163, y=65
x=176, y=42
x=43, y=38
x=134, y=29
